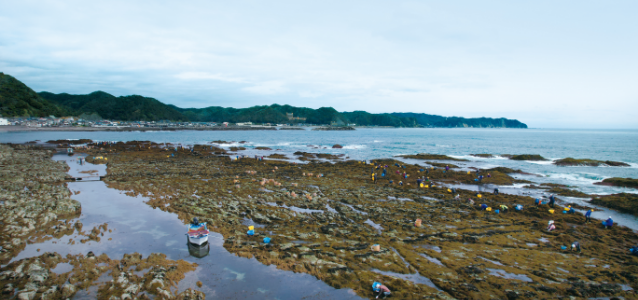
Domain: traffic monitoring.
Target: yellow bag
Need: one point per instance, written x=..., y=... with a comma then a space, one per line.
x=488, y=209
x=551, y=211
x=479, y=195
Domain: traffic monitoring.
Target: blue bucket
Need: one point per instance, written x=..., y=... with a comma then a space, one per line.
x=251, y=232
x=266, y=240
x=563, y=247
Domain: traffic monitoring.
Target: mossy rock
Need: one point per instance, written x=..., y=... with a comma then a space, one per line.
x=566, y=162
x=483, y=155
x=441, y=165
x=503, y=170
x=532, y=157
x=623, y=202
x=621, y=182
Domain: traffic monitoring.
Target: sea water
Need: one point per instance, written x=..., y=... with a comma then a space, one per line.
x=368, y=143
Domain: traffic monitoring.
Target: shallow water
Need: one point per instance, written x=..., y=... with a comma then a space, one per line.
x=415, y=278
x=492, y=261
x=137, y=227
x=431, y=247
x=62, y=268
x=354, y=209
x=432, y=259
x=374, y=225
x=506, y=275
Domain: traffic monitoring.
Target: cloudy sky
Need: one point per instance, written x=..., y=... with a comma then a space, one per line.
x=550, y=64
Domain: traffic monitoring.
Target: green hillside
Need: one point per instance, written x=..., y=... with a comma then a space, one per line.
x=126, y=108
x=18, y=100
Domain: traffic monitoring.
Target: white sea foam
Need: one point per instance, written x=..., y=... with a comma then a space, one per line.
x=355, y=147
x=587, y=178
x=541, y=162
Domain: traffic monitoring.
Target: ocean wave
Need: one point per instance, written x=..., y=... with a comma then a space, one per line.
x=578, y=177
x=232, y=144
x=541, y=162
x=442, y=146
x=377, y=141
x=355, y=147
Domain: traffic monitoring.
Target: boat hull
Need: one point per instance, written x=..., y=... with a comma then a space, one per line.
x=200, y=240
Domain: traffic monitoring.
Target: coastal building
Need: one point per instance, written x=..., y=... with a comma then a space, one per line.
x=4, y=121
x=245, y=124
x=291, y=117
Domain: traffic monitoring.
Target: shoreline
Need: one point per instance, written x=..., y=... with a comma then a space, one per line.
x=125, y=129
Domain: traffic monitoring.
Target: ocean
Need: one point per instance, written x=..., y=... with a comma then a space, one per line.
x=373, y=143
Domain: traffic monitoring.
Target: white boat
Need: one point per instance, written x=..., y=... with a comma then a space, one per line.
x=197, y=233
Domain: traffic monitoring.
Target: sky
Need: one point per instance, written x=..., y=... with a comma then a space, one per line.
x=549, y=64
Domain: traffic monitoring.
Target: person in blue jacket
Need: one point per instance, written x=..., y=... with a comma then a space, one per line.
x=608, y=223
x=588, y=216
x=552, y=200
x=634, y=250
x=483, y=206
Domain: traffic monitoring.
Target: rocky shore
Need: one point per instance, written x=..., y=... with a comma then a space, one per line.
x=34, y=199
x=324, y=219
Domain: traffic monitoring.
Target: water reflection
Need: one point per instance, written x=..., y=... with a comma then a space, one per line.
x=138, y=227
x=198, y=251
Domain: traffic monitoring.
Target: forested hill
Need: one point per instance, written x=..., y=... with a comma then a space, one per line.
x=439, y=121
x=18, y=100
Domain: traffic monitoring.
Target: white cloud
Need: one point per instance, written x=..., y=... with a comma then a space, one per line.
x=267, y=88
x=545, y=63
x=208, y=76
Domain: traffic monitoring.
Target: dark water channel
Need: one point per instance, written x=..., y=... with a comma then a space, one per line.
x=137, y=227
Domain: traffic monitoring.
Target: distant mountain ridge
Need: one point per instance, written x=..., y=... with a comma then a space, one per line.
x=16, y=99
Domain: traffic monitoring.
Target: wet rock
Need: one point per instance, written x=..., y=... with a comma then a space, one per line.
x=26, y=295
x=191, y=294
x=68, y=290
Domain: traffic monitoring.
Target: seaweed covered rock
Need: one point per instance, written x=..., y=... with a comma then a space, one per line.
x=35, y=277
x=621, y=182
x=532, y=157
x=570, y=162
x=34, y=198
x=623, y=202
x=483, y=155
x=328, y=226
